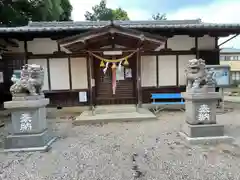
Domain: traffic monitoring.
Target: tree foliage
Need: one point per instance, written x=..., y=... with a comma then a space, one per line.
x=102, y=13
x=159, y=16
x=120, y=14
x=19, y=12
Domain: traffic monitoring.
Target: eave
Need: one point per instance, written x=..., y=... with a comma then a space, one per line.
x=112, y=34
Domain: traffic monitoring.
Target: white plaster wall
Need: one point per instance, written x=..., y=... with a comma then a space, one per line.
x=206, y=43
x=181, y=42
x=167, y=70
x=183, y=60
x=42, y=46
x=43, y=63
x=59, y=73
x=79, y=73
x=148, y=71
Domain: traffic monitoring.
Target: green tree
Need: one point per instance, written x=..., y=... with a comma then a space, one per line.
x=120, y=14
x=67, y=11
x=19, y=12
x=102, y=13
x=159, y=16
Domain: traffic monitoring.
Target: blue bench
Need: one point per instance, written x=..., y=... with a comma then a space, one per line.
x=165, y=97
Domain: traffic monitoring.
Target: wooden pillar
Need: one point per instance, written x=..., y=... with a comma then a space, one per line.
x=196, y=47
x=177, y=70
x=25, y=52
x=216, y=43
x=157, y=71
x=70, y=72
x=89, y=75
x=49, y=75
x=139, y=87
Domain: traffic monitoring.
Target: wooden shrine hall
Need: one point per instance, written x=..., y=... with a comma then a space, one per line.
x=90, y=63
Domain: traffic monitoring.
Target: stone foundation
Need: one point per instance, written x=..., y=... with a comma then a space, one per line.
x=27, y=142
x=205, y=130
x=28, y=130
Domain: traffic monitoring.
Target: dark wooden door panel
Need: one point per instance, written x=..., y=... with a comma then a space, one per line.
x=125, y=89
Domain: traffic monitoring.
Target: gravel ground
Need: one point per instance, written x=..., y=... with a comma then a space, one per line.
x=105, y=152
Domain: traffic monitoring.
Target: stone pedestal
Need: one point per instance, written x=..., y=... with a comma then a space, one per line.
x=201, y=126
x=201, y=107
x=28, y=130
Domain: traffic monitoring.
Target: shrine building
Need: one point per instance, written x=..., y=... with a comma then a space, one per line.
x=109, y=62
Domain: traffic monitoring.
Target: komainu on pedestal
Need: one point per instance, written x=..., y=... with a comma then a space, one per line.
x=28, y=129
x=199, y=79
x=30, y=82
x=200, y=104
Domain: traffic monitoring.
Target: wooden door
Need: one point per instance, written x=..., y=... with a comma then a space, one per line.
x=125, y=88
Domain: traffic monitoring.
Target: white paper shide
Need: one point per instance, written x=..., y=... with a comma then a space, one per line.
x=25, y=122
x=204, y=113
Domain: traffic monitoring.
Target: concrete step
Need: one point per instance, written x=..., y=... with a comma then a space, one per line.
x=87, y=118
x=111, y=109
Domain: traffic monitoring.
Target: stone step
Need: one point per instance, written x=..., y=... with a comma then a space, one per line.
x=87, y=118
x=106, y=109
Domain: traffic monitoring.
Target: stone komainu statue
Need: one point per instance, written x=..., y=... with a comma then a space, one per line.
x=30, y=82
x=198, y=77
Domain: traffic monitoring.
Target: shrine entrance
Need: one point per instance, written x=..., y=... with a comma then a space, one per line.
x=115, y=85
x=113, y=78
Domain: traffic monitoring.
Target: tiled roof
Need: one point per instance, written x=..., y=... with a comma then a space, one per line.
x=85, y=25
x=230, y=50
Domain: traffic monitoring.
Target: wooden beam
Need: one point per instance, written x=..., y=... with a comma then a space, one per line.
x=49, y=74
x=141, y=41
x=168, y=52
x=79, y=38
x=193, y=35
x=84, y=53
x=11, y=42
x=228, y=40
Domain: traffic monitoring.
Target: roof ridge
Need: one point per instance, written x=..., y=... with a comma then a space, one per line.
x=118, y=22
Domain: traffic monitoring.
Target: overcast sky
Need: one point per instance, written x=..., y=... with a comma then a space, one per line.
x=215, y=11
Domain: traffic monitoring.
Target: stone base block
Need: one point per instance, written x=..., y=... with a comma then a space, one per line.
x=29, y=142
x=21, y=104
x=205, y=130
x=206, y=140
x=24, y=97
